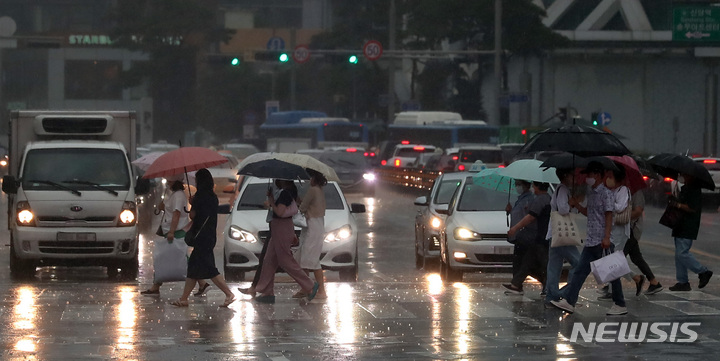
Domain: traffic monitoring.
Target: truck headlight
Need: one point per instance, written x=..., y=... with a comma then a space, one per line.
x=127, y=215
x=241, y=235
x=465, y=234
x=435, y=222
x=25, y=216
x=341, y=234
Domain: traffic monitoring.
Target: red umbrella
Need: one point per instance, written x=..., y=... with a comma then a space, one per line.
x=183, y=160
x=633, y=177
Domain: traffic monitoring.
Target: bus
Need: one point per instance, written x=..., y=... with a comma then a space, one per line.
x=294, y=130
x=441, y=129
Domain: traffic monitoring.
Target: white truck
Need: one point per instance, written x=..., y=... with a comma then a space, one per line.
x=72, y=192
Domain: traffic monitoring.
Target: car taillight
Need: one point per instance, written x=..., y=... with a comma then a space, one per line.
x=668, y=179
x=501, y=166
x=419, y=148
x=351, y=150
x=383, y=162
x=405, y=142
x=397, y=162
x=645, y=178
x=710, y=161
x=461, y=167
x=455, y=157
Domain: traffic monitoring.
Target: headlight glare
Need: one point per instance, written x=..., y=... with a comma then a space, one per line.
x=466, y=234
x=369, y=177
x=435, y=222
x=240, y=234
x=25, y=216
x=341, y=234
x=127, y=215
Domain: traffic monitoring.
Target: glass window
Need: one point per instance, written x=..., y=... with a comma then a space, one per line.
x=344, y=160
x=92, y=79
x=446, y=191
x=475, y=198
x=485, y=155
x=66, y=167
x=254, y=196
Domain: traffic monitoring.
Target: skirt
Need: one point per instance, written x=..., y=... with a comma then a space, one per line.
x=201, y=265
x=311, y=242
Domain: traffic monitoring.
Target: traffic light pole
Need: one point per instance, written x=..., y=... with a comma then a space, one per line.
x=293, y=71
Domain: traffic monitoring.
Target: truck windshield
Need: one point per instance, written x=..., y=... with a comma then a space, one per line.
x=81, y=169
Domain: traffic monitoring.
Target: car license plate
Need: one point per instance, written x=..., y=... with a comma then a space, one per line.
x=73, y=236
x=504, y=250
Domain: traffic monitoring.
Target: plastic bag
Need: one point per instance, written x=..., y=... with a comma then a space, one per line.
x=610, y=267
x=170, y=260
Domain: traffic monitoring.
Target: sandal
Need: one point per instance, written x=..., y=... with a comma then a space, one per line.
x=299, y=294
x=178, y=303
x=228, y=301
x=202, y=290
x=247, y=291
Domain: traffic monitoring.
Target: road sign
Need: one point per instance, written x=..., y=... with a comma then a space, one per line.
x=276, y=43
x=518, y=97
x=372, y=50
x=301, y=54
x=604, y=118
x=696, y=24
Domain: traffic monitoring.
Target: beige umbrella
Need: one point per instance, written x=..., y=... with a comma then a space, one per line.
x=301, y=160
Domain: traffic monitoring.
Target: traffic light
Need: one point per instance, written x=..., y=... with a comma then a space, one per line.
x=283, y=58
x=235, y=61
x=353, y=59
x=272, y=56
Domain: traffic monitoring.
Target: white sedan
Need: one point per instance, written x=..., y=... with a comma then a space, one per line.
x=246, y=230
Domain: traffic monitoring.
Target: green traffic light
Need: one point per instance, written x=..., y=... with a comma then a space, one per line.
x=595, y=122
x=353, y=59
x=283, y=58
x=235, y=62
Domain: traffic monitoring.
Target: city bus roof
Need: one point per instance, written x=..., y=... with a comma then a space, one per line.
x=292, y=117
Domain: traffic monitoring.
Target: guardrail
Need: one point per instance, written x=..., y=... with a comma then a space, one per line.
x=407, y=177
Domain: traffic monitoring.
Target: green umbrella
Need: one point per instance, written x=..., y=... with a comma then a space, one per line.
x=492, y=178
x=530, y=170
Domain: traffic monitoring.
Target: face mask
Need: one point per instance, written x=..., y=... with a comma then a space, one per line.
x=610, y=183
x=519, y=189
x=590, y=181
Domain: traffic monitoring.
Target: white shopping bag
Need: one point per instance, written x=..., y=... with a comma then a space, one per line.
x=170, y=260
x=610, y=267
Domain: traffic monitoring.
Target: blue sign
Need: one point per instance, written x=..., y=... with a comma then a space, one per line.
x=410, y=105
x=517, y=98
x=276, y=43
x=604, y=118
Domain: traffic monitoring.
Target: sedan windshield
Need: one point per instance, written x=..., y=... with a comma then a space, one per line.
x=254, y=196
x=475, y=198
x=80, y=169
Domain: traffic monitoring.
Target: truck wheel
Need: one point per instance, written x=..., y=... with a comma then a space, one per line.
x=20, y=269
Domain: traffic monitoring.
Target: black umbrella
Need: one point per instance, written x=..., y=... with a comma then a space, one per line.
x=669, y=165
x=273, y=168
x=565, y=160
x=576, y=139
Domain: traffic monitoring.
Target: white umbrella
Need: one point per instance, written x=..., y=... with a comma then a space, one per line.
x=301, y=160
x=529, y=170
x=143, y=163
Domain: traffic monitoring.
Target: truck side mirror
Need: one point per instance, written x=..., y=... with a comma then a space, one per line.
x=142, y=186
x=9, y=184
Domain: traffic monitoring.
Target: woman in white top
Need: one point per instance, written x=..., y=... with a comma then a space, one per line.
x=175, y=218
x=312, y=237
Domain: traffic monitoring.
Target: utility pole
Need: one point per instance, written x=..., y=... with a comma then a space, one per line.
x=293, y=69
x=498, y=60
x=391, y=65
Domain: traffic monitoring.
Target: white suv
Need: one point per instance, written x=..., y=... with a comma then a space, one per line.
x=246, y=230
x=411, y=155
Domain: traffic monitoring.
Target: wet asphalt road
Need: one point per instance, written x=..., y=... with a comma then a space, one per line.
x=393, y=312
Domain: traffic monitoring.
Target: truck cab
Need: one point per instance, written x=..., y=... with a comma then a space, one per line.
x=72, y=191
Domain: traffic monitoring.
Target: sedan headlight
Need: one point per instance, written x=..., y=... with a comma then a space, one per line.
x=435, y=222
x=241, y=235
x=341, y=234
x=370, y=177
x=465, y=234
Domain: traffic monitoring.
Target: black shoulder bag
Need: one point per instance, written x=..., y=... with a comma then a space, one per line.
x=191, y=235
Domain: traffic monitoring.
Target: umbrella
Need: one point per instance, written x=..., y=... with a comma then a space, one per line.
x=530, y=170
x=274, y=168
x=144, y=162
x=576, y=139
x=669, y=165
x=491, y=178
x=302, y=160
x=183, y=160
x=633, y=177
x=564, y=160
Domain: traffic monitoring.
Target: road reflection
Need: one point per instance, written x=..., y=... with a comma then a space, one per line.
x=25, y=313
x=126, y=316
x=242, y=326
x=341, y=313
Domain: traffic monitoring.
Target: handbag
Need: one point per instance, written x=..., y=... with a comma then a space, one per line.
x=671, y=217
x=299, y=220
x=564, y=230
x=525, y=236
x=191, y=235
x=610, y=267
x=170, y=261
x=623, y=217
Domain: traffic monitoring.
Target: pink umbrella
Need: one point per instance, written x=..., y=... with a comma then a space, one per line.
x=633, y=177
x=183, y=160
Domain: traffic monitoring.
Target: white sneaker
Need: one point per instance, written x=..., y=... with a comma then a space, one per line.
x=616, y=310
x=564, y=305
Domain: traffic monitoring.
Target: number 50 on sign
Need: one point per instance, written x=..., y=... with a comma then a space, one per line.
x=372, y=50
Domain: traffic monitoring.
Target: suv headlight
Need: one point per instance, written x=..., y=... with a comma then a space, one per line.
x=25, y=215
x=127, y=215
x=341, y=234
x=465, y=234
x=241, y=235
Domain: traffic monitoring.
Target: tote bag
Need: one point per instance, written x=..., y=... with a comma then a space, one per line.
x=623, y=217
x=671, y=217
x=565, y=231
x=610, y=267
x=170, y=260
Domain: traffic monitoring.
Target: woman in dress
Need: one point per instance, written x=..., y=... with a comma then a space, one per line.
x=201, y=264
x=311, y=237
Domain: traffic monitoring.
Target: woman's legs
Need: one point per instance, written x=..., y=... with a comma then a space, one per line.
x=320, y=279
x=189, y=285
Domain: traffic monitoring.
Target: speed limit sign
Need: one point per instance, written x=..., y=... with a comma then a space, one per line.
x=372, y=50
x=301, y=54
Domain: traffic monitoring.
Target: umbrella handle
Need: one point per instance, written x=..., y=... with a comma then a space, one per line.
x=157, y=211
